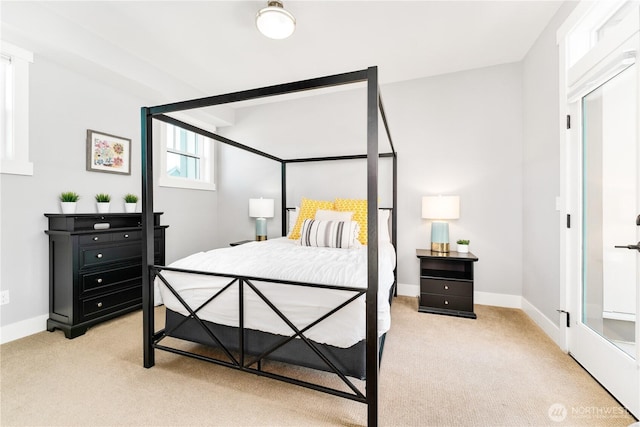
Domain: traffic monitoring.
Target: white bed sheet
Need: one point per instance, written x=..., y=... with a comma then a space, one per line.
x=284, y=259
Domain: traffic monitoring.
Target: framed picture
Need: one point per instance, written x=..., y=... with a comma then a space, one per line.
x=108, y=153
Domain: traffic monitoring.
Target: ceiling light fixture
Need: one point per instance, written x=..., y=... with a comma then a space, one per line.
x=275, y=22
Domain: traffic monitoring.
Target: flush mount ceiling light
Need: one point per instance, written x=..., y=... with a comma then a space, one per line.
x=275, y=22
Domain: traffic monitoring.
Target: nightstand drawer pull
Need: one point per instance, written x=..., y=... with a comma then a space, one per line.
x=446, y=302
x=99, y=256
x=99, y=304
x=99, y=280
x=446, y=287
x=126, y=236
x=95, y=239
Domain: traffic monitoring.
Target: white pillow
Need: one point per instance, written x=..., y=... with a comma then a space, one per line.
x=329, y=234
x=383, y=225
x=293, y=218
x=327, y=215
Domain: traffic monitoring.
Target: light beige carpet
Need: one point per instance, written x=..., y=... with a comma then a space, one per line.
x=436, y=371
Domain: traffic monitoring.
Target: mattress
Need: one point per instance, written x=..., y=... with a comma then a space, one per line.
x=284, y=259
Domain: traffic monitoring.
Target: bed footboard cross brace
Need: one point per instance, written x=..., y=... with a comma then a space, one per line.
x=242, y=364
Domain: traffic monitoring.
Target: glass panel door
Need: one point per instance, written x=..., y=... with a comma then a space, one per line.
x=610, y=209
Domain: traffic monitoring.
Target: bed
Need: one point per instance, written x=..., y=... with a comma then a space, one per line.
x=324, y=308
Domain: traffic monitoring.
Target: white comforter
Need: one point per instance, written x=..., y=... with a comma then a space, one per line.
x=284, y=259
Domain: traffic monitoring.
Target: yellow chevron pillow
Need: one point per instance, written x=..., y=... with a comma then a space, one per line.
x=359, y=209
x=308, y=209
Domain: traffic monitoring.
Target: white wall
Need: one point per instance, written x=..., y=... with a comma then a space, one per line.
x=63, y=106
x=462, y=134
x=541, y=175
x=455, y=134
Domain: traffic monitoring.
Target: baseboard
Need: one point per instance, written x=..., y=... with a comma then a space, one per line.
x=484, y=298
x=23, y=328
x=549, y=328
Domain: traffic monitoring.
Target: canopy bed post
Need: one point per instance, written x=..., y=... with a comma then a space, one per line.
x=147, y=236
x=283, y=198
x=372, y=356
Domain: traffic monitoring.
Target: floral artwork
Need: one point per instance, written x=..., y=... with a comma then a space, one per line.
x=108, y=153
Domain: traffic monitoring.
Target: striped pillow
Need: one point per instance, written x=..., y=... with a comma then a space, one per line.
x=329, y=234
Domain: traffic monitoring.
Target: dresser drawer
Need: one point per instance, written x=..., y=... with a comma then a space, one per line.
x=104, y=304
x=126, y=236
x=460, y=288
x=448, y=302
x=103, y=281
x=97, y=238
x=95, y=256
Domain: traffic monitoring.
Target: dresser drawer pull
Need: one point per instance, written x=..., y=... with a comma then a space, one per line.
x=99, y=256
x=446, y=287
x=95, y=239
x=99, y=304
x=446, y=302
x=126, y=236
x=99, y=280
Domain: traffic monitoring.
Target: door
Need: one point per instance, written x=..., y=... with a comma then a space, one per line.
x=604, y=336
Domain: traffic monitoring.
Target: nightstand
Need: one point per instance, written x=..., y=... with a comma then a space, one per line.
x=446, y=283
x=241, y=242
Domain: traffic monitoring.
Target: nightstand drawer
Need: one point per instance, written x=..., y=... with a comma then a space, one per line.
x=90, y=257
x=102, y=281
x=447, y=302
x=99, y=306
x=460, y=288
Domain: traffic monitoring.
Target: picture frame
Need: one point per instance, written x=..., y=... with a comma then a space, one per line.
x=108, y=153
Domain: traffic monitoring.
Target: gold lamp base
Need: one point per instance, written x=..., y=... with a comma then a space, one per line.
x=439, y=247
x=261, y=238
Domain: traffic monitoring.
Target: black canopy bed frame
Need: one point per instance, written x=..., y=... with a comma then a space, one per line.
x=223, y=337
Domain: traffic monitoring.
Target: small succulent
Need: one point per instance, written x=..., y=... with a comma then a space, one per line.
x=69, y=196
x=103, y=198
x=130, y=198
x=462, y=242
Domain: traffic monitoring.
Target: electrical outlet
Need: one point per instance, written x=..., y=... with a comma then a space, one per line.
x=4, y=297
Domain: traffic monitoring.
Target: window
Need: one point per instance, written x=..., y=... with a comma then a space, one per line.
x=14, y=110
x=187, y=159
x=602, y=19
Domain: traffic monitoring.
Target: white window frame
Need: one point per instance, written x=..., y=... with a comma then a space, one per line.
x=14, y=155
x=207, y=166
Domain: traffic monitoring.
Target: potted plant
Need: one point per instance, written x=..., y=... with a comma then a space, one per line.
x=130, y=202
x=103, y=201
x=463, y=246
x=68, y=202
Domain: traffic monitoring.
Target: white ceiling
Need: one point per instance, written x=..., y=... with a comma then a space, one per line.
x=174, y=50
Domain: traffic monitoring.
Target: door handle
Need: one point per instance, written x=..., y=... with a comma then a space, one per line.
x=634, y=247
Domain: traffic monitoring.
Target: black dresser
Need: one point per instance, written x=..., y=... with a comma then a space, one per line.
x=95, y=267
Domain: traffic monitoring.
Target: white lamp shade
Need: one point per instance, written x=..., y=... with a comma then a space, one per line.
x=441, y=207
x=261, y=208
x=275, y=22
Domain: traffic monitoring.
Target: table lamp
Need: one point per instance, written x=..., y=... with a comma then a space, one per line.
x=438, y=209
x=261, y=209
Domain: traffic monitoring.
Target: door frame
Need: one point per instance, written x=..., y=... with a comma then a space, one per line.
x=572, y=86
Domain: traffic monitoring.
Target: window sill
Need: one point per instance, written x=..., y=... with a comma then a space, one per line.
x=186, y=184
x=16, y=168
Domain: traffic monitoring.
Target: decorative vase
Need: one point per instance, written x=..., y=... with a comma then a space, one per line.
x=68, y=207
x=130, y=207
x=103, y=207
x=463, y=249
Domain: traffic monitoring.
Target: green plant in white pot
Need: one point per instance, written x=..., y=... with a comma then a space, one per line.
x=463, y=246
x=68, y=202
x=130, y=203
x=103, y=201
